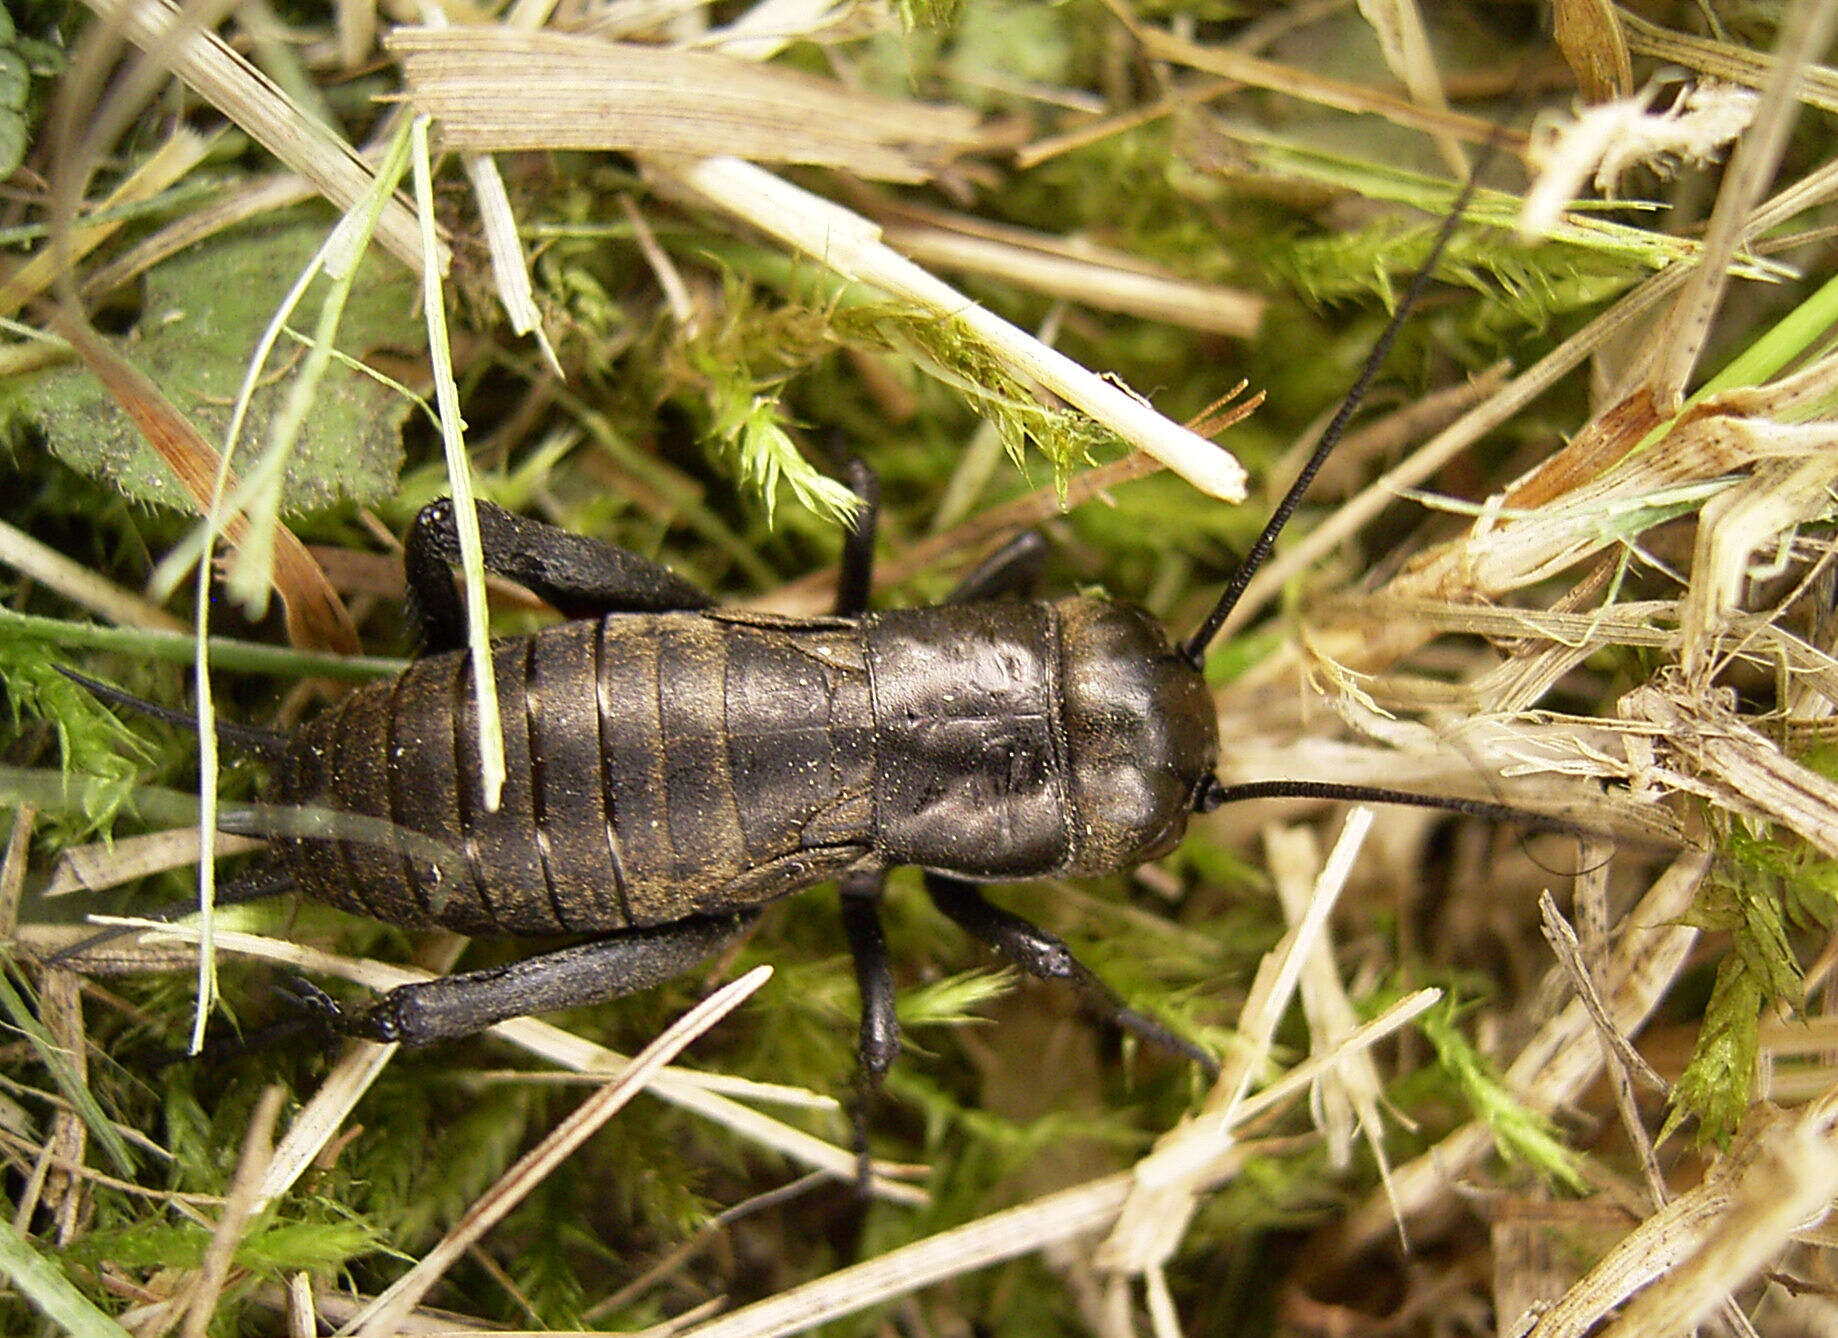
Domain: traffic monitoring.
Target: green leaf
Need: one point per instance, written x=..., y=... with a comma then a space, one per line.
x=204, y=311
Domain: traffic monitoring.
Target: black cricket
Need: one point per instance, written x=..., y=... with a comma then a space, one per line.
x=674, y=766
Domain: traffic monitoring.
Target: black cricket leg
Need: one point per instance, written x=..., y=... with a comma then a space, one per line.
x=584, y=973
x=1012, y=571
x=880, y=1029
x=1046, y=957
x=855, y=574
x=269, y=878
x=582, y=577
x=879, y=1038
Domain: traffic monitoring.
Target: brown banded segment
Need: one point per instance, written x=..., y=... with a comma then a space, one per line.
x=800, y=742
x=394, y=747
x=311, y=781
x=360, y=765
x=848, y=815
x=569, y=805
x=424, y=784
x=502, y=841
x=705, y=835
x=632, y=766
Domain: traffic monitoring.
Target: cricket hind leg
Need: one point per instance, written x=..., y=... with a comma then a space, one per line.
x=582, y=973
x=1011, y=572
x=582, y=577
x=1046, y=957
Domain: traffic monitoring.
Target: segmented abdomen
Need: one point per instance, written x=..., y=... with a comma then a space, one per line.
x=658, y=766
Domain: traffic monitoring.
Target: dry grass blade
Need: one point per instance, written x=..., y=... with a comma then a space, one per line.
x=998, y=1236
x=327, y=1111
x=497, y=89
x=1594, y=46
x=1083, y=274
x=106, y=864
x=1649, y=949
x=1168, y=1180
x=239, y=1210
x=1722, y=59
x=169, y=163
x=77, y=583
x=1287, y=79
x=1459, y=436
x=228, y=82
x=1805, y=34
x=1348, y=1100
x=1730, y=762
x=388, y=1311
x=1688, y=1257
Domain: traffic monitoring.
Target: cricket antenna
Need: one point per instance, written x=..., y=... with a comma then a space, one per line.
x=1194, y=648
x=265, y=743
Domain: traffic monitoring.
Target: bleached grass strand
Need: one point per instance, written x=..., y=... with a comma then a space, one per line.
x=1151, y=1226
x=79, y=584
x=1729, y=761
x=105, y=864
x=1347, y=1100
x=1422, y=463
x=1405, y=43
x=459, y=482
x=1552, y=1068
x=851, y=245
x=1683, y=1262
x=1806, y=33
x=495, y=89
x=1721, y=59
x=170, y=162
x=240, y=1208
x=385, y=1315
x=988, y=1240
x=228, y=82
x=705, y=1094
x=510, y=267
x=1092, y=280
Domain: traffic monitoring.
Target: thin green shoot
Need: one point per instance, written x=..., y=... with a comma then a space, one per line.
x=258, y=549
x=459, y=476
x=24, y=1020
x=247, y=657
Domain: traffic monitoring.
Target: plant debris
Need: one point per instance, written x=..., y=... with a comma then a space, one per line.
x=663, y=270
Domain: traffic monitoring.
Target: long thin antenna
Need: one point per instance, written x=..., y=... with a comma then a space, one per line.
x=263, y=742
x=1196, y=646
x=1217, y=793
